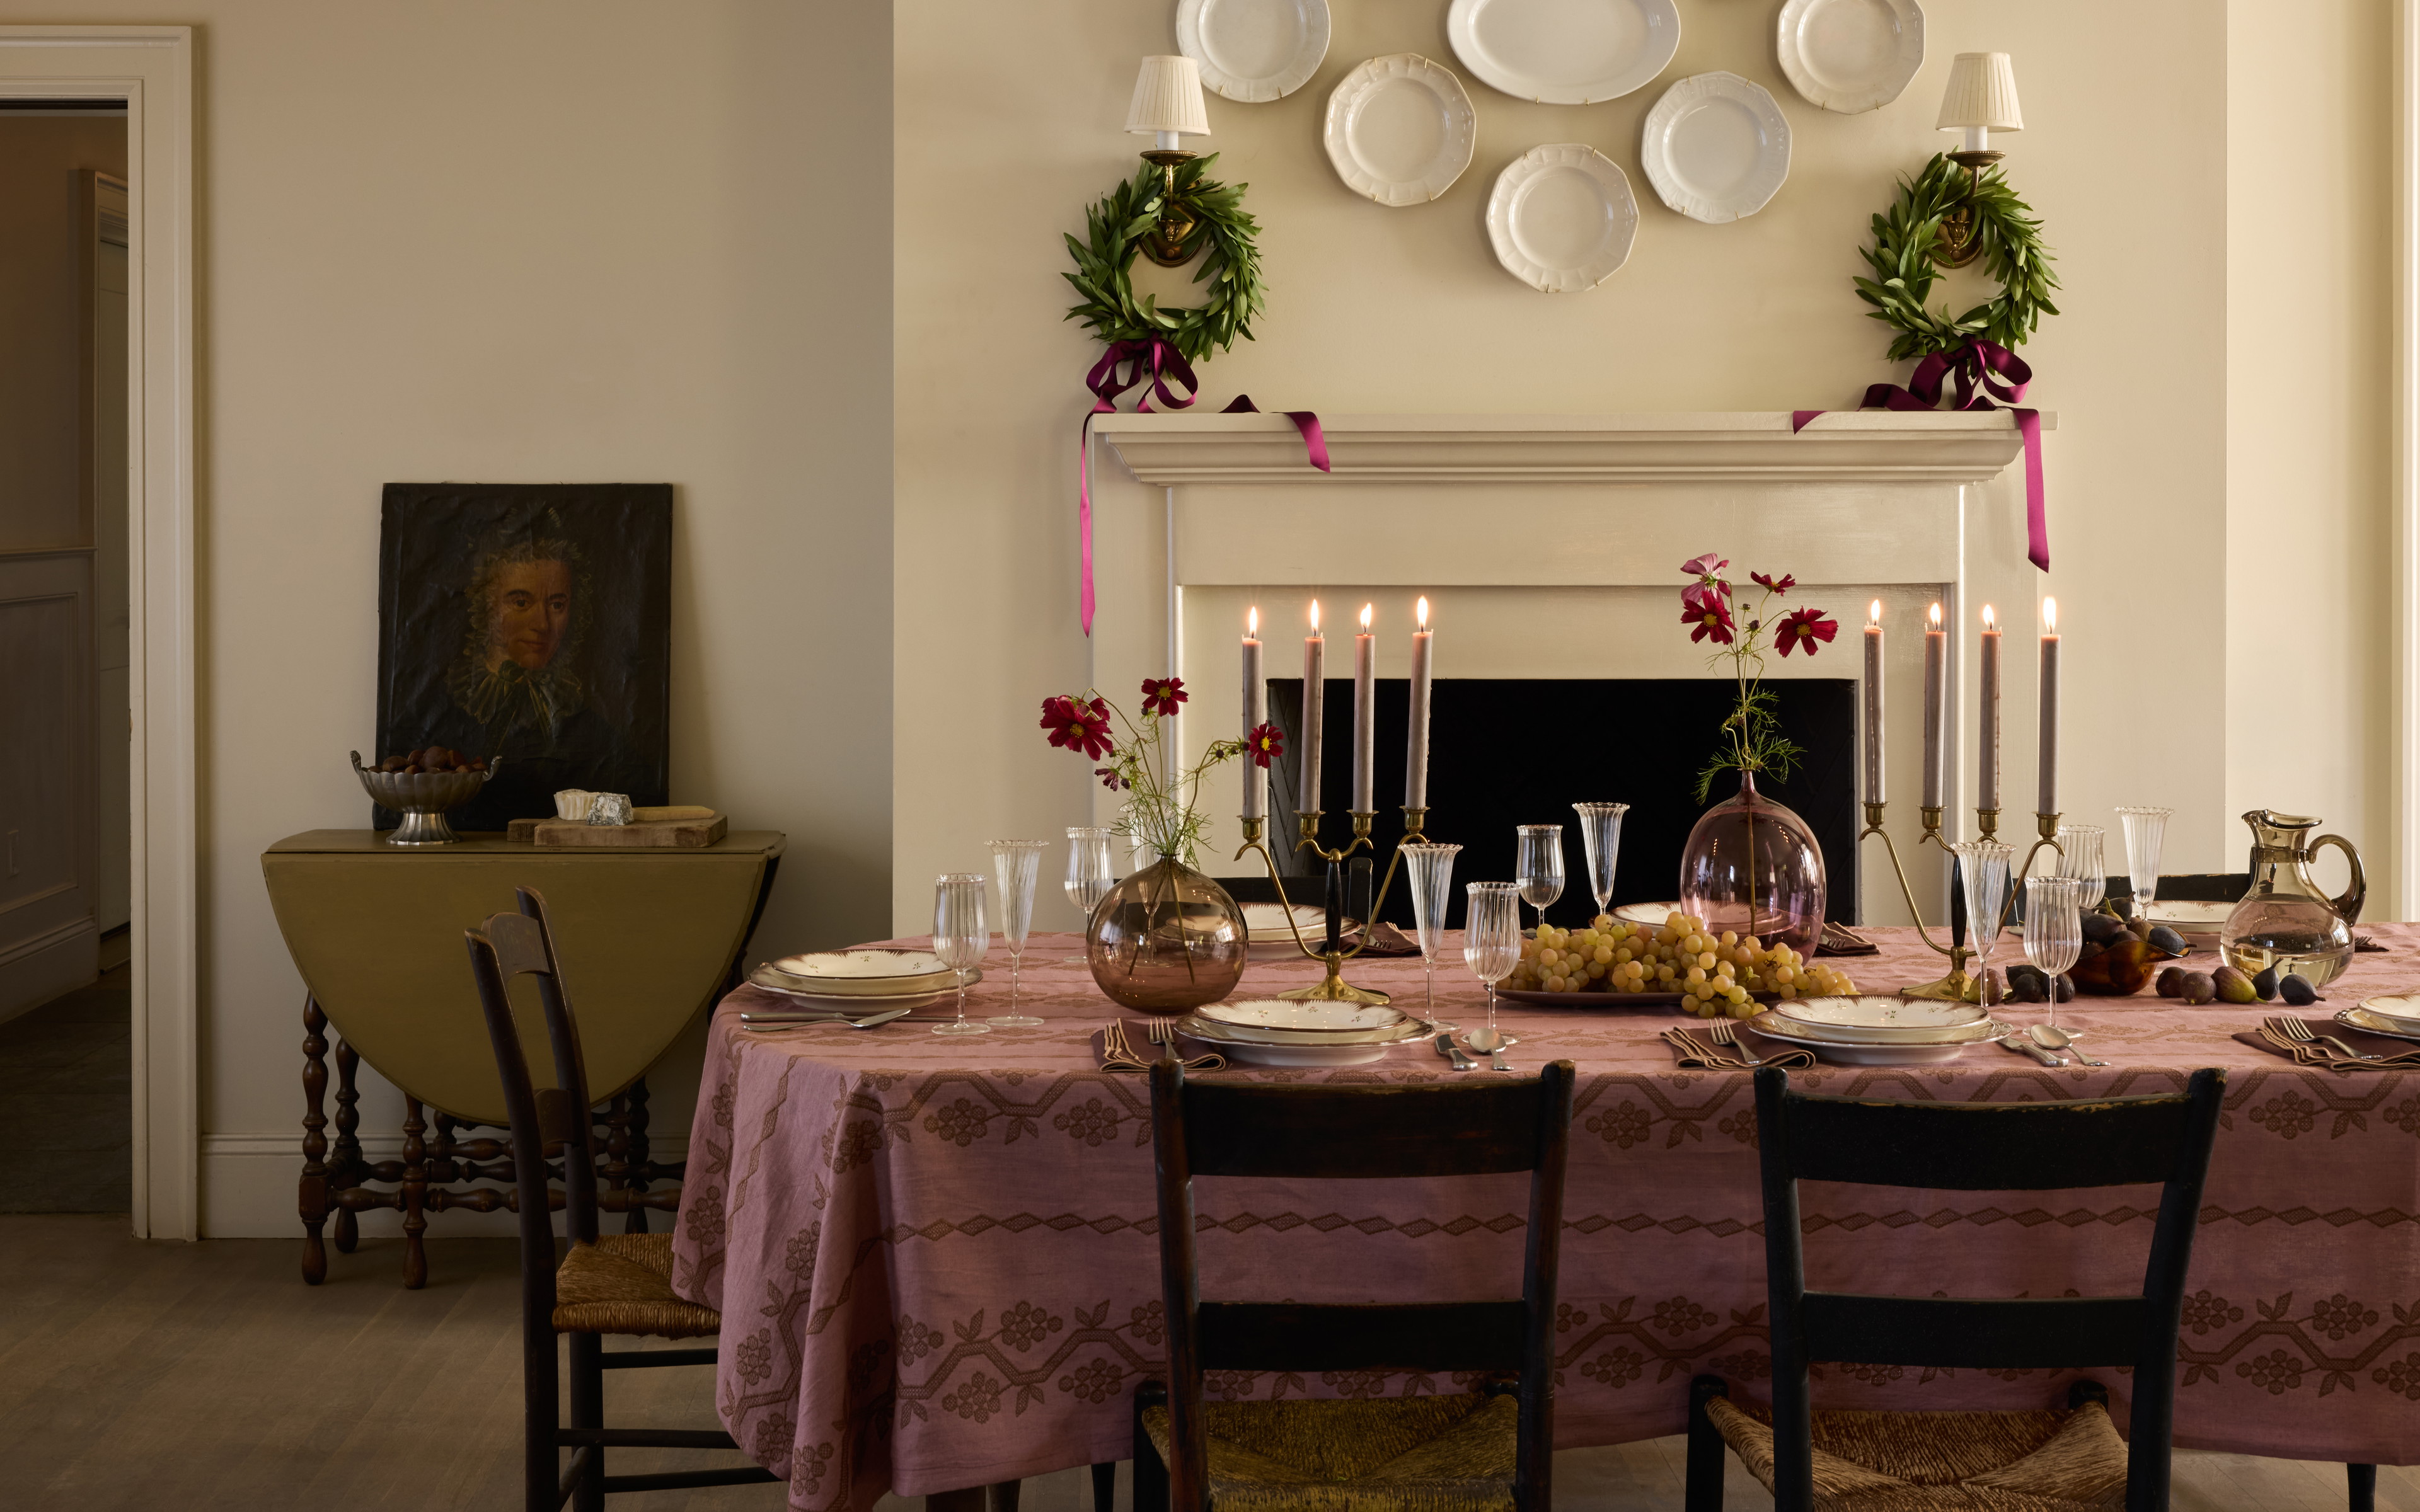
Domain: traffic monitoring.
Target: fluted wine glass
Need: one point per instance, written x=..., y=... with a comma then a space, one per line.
x=1429, y=868
x=1601, y=835
x=1491, y=944
x=1983, y=866
x=2053, y=929
x=1540, y=867
x=2147, y=831
x=960, y=938
x=1090, y=873
x=1016, y=864
x=2081, y=857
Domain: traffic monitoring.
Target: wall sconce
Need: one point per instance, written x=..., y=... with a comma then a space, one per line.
x=1167, y=105
x=1981, y=99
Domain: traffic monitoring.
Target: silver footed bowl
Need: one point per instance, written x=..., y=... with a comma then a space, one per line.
x=422, y=798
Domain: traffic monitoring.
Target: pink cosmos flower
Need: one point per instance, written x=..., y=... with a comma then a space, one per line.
x=1705, y=567
x=1803, y=627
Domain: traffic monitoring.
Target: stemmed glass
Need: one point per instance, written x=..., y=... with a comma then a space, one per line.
x=2145, y=829
x=1430, y=871
x=1540, y=867
x=1491, y=944
x=2080, y=859
x=1601, y=833
x=2053, y=929
x=1016, y=863
x=1089, y=875
x=1983, y=866
x=960, y=938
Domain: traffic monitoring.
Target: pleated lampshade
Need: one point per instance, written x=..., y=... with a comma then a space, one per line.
x=1167, y=98
x=1982, y=92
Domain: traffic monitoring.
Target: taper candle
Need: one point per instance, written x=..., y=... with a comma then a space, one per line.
x=1365, y=718
x=1987, y=765
x=1314, y=699
x=1416, y=752
x=2047, y=801
x=1936, y=709
x=1256, y=713
x=1875, y=702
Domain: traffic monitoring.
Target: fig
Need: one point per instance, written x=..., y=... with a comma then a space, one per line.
x=2092, y=948
x=2264, y=986
x=2171, y=983
x=2167, y=939
x=2296, y=990
x=2063, y=990
x=2120, y=971
x=2196, y=989
x=2102, y=929
x=2233, y=986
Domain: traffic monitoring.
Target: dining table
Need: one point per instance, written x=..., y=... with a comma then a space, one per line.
x=937, y=1259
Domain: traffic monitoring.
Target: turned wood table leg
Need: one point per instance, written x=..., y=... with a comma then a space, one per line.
x=416, y=1196
x=347, y=1168
x=635, y=1221
x=311, y=1199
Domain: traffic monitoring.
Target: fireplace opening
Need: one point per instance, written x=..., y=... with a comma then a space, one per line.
x=1509, y=751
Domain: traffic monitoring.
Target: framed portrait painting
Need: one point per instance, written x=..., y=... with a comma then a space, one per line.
x=529, y=624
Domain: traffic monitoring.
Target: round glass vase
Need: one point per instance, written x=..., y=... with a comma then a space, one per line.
x=1166, y=940
x=1752, y=866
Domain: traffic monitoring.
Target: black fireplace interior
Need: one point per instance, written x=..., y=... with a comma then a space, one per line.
x=1508, y=752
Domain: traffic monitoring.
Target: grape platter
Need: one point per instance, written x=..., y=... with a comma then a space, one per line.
x=1716, y=975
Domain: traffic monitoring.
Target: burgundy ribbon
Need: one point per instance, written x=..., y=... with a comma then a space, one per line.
x=1978, y=365
x=1153, y=364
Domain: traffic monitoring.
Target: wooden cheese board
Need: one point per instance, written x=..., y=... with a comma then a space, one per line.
x=678, y=827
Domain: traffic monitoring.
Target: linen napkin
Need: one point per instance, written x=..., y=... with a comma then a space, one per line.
x=2394, y=1054
x=1840, y=940
x=1690, y=1052
x=1385, y=939
x=1121, y=1048
x=2364, y=945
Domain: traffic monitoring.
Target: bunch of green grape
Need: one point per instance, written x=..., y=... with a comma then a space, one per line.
x=1715, y=974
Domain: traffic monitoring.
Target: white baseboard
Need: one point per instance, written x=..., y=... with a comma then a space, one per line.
x=41, y=970
x=248, y=1183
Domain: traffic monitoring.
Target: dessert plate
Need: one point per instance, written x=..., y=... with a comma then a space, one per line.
x=1253, y=50
x=1872, y=1019
x=1839, y=1052
x=1399, y=129
x=1562, y=218
x=1564, y=52
x=1850, y=56
x=1269, y=938
x=1717, y=147
x=856, y=973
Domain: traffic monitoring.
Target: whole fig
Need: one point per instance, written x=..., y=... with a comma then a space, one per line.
x=2171, y=983
x=2063, y=990
x=2167, y=939
x=2196, y=989
x=2264, y=986
x=2233, y=986
x=2102, y=929
x=2297, y=991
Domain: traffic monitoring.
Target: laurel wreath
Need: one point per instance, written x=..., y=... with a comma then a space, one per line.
x=1230, y=268
x=1907, y=239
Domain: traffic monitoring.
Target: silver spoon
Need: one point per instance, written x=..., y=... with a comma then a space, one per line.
x=2051, y=1037
x=1446, y=1047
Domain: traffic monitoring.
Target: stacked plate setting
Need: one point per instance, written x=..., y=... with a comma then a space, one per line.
x=1276, y=1031
x=2395, y=1016
x=1877, y=1031
x=861, y=981
x=1270, y=938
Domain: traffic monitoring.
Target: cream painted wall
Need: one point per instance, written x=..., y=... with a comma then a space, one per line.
x=555, y=240
x=1008, y=123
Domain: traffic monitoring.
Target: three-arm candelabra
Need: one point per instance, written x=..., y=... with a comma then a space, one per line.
x=1334, y=988
x=1959, y=985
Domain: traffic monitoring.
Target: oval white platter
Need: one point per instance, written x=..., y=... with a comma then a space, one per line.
x=1873, y=1019
x=1399, y=129
x=1562, y=218
x=1253, y=50
x=1717, y=147
x=1850, y=56
x=1841, y=1053
x=1564, y=52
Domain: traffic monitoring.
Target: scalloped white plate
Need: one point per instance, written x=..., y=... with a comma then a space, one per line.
x=2396, y=1014
x=1840, y=1053
x=1399, y=129
x=1253, y=50
x=1850, y=56
x=1290, y=1016
x=1717, y=147
x=1564, y=52
x=1872, y=1019
x=1562, y=218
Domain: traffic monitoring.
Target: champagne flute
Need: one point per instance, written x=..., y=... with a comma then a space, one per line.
x=2080, y=857
x=2053, y=929
x=1016, y=863
x=960, y=938
x=1490, y=945
x=1089, y=878
x=1983, y=868
x=1601, y=833
x=1540, y=867
x=2147, y=830
x=1429, y=868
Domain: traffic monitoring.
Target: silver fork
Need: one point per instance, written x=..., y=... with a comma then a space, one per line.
x=2294, y=1028
x=1719, y=1031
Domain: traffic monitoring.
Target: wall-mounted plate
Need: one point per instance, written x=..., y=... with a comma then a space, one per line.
x=1253, y=50
x=1401, y=129
x=1563, y=216
x=1564, y=52
x=1717, y=147
x=1850, y=56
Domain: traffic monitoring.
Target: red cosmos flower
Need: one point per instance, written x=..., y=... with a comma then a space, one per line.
x=1265, y=744
x=1710, y=619
x=1785, y=585
x=1161, y=695
x=1075, y=726
x=1803, y=627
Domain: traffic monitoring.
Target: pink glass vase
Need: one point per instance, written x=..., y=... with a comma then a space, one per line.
x=1166, y=940
x=1752, y=866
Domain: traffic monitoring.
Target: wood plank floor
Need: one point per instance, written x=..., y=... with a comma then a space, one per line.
x=209, y=1377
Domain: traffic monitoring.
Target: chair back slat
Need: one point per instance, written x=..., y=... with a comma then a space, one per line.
x=1362, y=1133
x=1283, y=1335
x=1986, y=1147
x=1963, y=1334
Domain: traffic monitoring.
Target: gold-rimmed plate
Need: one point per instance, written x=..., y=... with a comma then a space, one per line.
x=868, y=973
x=1872, y=1019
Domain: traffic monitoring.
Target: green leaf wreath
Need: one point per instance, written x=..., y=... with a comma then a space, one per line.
x=1907, y=239
x=1232, y=269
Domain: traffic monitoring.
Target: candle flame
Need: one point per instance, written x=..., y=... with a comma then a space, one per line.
x=1314, y=616
x=1874, y=613
x=2050, y=615
x=1990, y=621
x=1252, y=621
x=1365, y=618
x=1936, y=616
x=1424, y=611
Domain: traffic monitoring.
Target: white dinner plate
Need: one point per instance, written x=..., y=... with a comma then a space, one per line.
x=1400, y=130
x=1238, y=1043
x=2190, y=918
x=1850, y=55
x=1846, y=1054
x=1562, y=218
x=1564, y=52
x=872, y=973
x=1717, y=147
x=1280, y=1016
x=2393, y=1013
x=860, y=1006
x=1268, y=938
x=1872, y=1019
x=1254, y=51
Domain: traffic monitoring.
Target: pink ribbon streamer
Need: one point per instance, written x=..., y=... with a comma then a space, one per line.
x=1151, y=365
x=1978, y=365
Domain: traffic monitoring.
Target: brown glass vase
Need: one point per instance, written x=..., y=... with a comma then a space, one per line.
x=1166, y=940
x=1752, y=865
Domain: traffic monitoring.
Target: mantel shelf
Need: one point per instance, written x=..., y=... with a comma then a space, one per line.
x=1753, y=446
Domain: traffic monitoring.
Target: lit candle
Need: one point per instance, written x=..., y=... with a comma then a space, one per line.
x=2047, y=802
x=1987, y=772
x=1875, y=702
x=1314, y=684
x=1256, y=713
x=1415, y=755
x=1936, y=709
x=1365, y=718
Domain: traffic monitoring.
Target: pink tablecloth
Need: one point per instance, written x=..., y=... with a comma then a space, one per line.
x=936, y=1258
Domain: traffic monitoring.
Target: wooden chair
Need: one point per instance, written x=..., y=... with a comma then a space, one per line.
x=1491, y=1450
x=2018, y=1461
x=613, y=1284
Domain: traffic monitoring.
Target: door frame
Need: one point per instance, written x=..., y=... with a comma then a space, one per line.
x=151, y=69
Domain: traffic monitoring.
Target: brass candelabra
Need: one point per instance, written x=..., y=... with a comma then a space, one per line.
x=1334, y=988
x=1959, y=985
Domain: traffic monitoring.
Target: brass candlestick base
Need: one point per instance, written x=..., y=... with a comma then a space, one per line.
x=1961, y=985
x=1332, y=987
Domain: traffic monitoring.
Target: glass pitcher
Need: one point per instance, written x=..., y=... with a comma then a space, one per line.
x=2285, y=921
